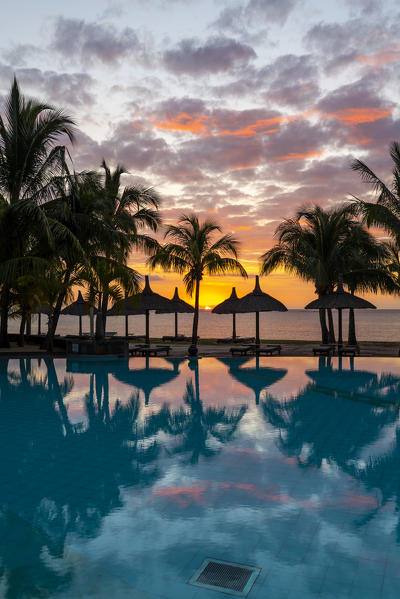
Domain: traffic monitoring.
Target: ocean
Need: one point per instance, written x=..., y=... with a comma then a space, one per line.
x=372, y=325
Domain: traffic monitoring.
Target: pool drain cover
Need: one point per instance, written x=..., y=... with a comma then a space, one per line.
x=228, y=577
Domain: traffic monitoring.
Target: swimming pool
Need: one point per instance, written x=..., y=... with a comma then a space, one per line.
x=119, y=479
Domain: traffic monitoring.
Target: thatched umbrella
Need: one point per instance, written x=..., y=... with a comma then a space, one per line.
x=142, y=303
x=43, y=309
x=340, y=300
x=176, y=305
x=78, y=308
x=229, y=306
x=257, y=301
x=124, y=308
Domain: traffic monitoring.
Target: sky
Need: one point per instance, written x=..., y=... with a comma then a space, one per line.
x=239, y=111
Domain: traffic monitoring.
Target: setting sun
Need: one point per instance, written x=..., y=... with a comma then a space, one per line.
x=207, y=308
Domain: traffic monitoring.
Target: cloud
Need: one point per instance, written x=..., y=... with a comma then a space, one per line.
x=19, y=54
x=254, y=13
x=189, y=115
x=215, y=55
x=290, y=80
x=74, y=89
x=102, y=42
x=355, y=41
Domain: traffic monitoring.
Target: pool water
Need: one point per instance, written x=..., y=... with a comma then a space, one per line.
x=118, y=479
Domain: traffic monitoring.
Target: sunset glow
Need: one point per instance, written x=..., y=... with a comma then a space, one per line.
x=237, y=111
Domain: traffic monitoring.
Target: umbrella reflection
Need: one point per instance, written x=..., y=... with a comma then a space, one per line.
x=257, y=377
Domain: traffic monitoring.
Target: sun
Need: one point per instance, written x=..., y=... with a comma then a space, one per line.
x=207, y=308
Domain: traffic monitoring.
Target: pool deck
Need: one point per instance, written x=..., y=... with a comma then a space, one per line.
x=289, y=349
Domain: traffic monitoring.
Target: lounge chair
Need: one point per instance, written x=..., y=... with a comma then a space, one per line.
x=236, y=340
x=268, y=350
x=229, y=340
x=241, y=350
x=149, y=350
x=349, y=350
x=173, y=338
x=324, y=350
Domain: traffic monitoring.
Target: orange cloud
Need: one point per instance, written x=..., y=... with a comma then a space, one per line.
x=383, y=57
x=185, y=122
x=207, y=126
x=262, y=126
x=299, y=156
x=355, y=116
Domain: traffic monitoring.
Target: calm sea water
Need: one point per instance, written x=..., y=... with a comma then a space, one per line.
x=372, y=325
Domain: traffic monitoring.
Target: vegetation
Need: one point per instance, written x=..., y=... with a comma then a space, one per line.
x=193, y=251
x=326, y=246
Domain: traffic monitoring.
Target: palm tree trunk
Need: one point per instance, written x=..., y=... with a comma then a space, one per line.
x=99, y=335
x=193, y=348
x=352, y=340
x=104, y=310
x=331, y=335
x=22, y=328
x=324, y=328
x=55, y=315
x=5, y=300
x=28, y=325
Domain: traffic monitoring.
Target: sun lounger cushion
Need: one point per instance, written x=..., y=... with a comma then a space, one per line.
x=242, y=350
x=268, y=349
x=324, y=350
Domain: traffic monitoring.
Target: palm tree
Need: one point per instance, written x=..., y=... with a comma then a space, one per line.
x=323, y=246
x=78, y=205
x=30, y=157
x=127, y=213
x=194, y=251
x=385, y=212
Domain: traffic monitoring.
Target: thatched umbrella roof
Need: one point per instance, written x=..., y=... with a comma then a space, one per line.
x=78, y=308
x=229, y=306
x=340, y=300
x=124, y=308
x=257, y=301
x=140, y=303
x=176, y=306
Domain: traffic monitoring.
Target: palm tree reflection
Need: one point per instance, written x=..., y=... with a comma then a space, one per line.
x=201, y=430
x=62, y=478
x=320, y=423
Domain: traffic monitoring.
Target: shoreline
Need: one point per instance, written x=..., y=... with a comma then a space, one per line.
x=210, y=348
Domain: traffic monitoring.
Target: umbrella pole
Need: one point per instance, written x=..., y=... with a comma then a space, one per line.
x=176, y=325
x=340, y=340
x=126, y=326
x=257, y=329
x=234, y=326
x=80, y=325
x=147, y=327
x=91, y=312
x=39, y=325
